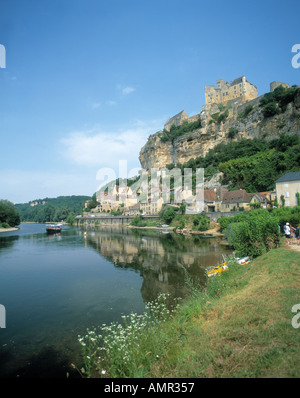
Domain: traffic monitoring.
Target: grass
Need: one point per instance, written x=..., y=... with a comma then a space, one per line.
x=240, y=326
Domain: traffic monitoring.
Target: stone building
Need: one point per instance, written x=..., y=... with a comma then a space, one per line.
x=287, y=187
x=276, y=84
x=239, y=88
x=179, y=119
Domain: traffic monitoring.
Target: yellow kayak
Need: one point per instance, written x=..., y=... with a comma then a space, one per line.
x=223, y=267
x=218, y=269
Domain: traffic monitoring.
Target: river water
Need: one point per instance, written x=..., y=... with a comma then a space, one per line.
x=54, y=287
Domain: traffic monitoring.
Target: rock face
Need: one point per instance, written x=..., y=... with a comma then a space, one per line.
x=237, y=125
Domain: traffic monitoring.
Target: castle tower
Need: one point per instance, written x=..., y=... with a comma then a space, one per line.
x=238, y=89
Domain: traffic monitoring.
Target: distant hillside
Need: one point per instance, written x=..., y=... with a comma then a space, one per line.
x=51, y=209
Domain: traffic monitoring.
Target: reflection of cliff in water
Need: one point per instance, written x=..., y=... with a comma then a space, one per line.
x=161, y=259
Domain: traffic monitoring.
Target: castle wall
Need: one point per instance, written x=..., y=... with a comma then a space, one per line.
x=225, y=92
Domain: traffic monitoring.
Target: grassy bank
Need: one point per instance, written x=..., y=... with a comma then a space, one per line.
x=240, y=326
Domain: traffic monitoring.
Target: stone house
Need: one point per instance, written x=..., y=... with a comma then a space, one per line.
x=132, y=210
x=234, y=200
x=287, y=187
x=210, y=200
x=152, y=207
x=259, y=198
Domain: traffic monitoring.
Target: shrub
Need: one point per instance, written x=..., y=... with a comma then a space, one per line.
x=252, y=233
x=232, y=132
x=4, y=225
x=177, y=131
x=245, y=112
x=201, y=222
x=271, y=109
x=167, y=215
x=138, y=222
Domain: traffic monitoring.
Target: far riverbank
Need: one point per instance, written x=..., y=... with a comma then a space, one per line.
x=8, y=229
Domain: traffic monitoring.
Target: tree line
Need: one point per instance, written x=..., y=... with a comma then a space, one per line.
x=62, y=208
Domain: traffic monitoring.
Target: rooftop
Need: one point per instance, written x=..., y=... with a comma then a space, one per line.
x=292, y=176
x=238, y=196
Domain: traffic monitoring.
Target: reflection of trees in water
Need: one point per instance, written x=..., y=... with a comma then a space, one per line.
x=7, y=242
x=161, y=259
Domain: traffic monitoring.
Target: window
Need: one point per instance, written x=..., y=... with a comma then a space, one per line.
x=286, y=185
x=287, y=194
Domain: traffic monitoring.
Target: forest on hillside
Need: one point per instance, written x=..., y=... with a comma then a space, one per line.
x=53, y=209
x=251, y=164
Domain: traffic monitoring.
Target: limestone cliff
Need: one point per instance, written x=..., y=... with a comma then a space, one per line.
x=241, y=121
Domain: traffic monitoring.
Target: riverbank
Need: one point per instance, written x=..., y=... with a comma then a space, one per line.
x=240, y=326
x=212, y=232
x=8, y=229
x=244, y=328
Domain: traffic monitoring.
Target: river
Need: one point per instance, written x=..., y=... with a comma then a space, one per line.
x=54, y=287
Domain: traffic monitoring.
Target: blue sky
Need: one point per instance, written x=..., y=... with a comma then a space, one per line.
x=87, y=81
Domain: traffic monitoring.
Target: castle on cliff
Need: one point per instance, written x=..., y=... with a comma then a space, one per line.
x=238, y=90
x=234, y=94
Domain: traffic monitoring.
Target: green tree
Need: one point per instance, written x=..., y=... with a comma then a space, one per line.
x=70, y=219
x=8, y=213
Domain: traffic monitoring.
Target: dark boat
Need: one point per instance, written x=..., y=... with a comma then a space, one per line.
x=53, y=229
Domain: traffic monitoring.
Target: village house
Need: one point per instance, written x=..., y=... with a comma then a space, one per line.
x=134, y=210
x=258, y=199
x=287, y=188
x=152, y=207
x=235, y=200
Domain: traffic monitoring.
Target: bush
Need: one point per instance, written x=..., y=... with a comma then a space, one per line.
x=201, y=222
x=252, y=233
x=271, y=109
x=177, y=131
x=281, y=96
x=138, y=222
x=245, y=112
x=232, y=132
x=167, y=214
x=4, y=225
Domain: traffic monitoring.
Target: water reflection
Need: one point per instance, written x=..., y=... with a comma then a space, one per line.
x=161, y=259
x=55, y=287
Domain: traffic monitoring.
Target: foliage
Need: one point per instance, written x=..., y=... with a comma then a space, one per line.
x=201, y=222
x=287, y=214
x=70, y=219
x=245, y=112
x=232, y=132
x=219, y=117
x=177, y=131
x=54, y=209
x=277, y=100
x=258, y=172
x=9, y=216
x=92, y=203
x=121, y=348
x=271, y=109
x=256, y=231
x=138, y=222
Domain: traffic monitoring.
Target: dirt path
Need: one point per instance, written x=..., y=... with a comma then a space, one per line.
x=294, y=247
